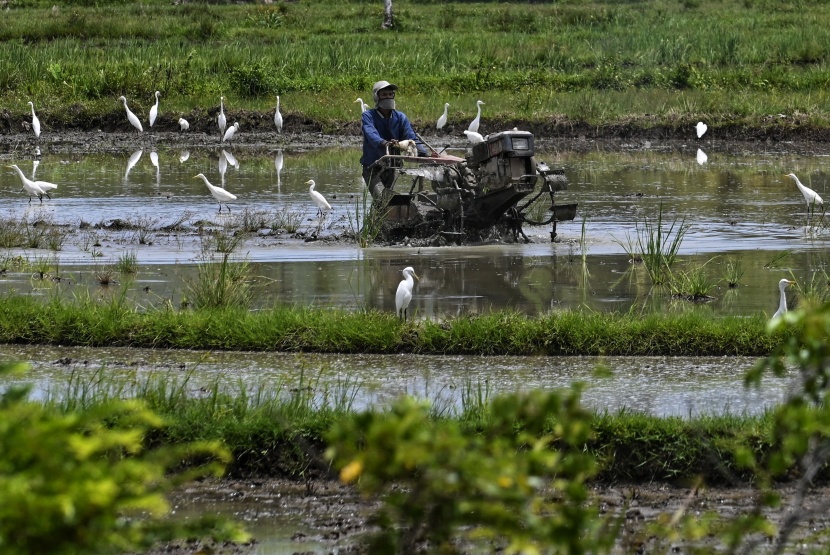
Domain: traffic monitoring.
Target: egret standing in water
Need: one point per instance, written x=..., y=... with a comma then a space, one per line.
x=230, y=132
x=34, y=188
x=474, y=124
x=154, y=111
x=442, y=121
x=278, y=117
x=183, y=124
x=35, y=121
x=810, y=196
x=220, y=194
x=318, y=199
x=782, y=303
x=133, y=119
x=403, y=296
x=221, y=120
x=700, y=128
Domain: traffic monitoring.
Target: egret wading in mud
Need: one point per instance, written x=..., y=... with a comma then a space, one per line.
x=782, y=303
x=34, y=188
x=131, y=117
x=220, y=194
x=183, y=124
x=278, y=117
x=474, y=137
x=318, y=199
x=221, y=120
x=403, y=296
x=700, y=129
x=811, y=197
x=474, y=124
x=228, y=136
x=35, y=121
x=154, y=111
x=442, y=121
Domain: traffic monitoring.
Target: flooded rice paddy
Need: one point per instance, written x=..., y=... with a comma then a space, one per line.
x=739, y=207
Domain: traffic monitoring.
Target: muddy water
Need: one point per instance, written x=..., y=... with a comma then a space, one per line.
x=663, y=386
x=739, y=208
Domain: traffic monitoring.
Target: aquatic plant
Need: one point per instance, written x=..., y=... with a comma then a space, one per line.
x=659, y=246
x=734, y=271
x=287, y=220
x=127, y=263
x=251, y=221
x=693, y=284
x=367, y=221
x=221, y=284
x=104, y=275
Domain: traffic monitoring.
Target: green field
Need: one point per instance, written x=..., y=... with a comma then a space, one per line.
x=737, y=64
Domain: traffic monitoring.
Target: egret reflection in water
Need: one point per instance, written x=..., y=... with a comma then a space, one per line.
x=701, y=157
x=134, y=158
x=231, y=159
x=278, y=163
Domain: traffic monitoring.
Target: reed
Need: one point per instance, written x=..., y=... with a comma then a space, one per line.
x=659, y=246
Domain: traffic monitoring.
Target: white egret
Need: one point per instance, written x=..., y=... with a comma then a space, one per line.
x=184, y=156
x=278, y=116
x=319, y=200
x=701, y=157
x=231, y=131
x=34, y=188
x=35, y=121
x=363, y=106
x=131, y=116
x=442, y=121
x=408, y=145
x=782, y=303
x=154, y=111
x=221, y=120
x=474, y=124
x=183, y=124
x=403, y=296
x=810, y=196
x=220, y=194
x=134, y=158
x=35, y=164
x=474, y=137
x=701, y=129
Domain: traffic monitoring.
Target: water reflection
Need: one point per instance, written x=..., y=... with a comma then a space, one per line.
x=738, y=207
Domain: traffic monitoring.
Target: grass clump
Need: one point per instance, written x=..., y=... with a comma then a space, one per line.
x=222, y=284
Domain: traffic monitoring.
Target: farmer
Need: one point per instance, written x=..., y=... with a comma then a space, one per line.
x=383, y=126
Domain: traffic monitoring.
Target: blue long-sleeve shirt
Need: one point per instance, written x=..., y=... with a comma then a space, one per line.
x=377, y=129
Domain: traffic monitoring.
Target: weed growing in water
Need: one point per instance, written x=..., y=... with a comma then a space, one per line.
x=104, y=275
x=286, y=220
x=692, y=285
x=42, y=266
x=222, y=241
x=367, y=222
x=221, y=284
x=734, y=272
x=777, y=259
x=659, y=246
x=127, y=263
x=251, y=221
x=144, y=229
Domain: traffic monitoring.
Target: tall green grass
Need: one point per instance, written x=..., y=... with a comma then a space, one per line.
x=666, y=64
x=116, y=322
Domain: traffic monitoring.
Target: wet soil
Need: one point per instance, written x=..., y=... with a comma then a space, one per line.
x=330, y=517
x=83, y=133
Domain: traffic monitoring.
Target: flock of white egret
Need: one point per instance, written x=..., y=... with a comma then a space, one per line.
x=403, y=296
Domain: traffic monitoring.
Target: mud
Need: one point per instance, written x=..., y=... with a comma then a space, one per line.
x=329, y=517
x=110, y=133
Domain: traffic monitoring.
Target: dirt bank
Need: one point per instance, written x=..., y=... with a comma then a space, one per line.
x=111, y=133
x=328, y=517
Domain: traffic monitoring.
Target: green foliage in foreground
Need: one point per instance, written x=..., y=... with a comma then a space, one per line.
x=27, y=320
x=520, y=478
x=83, y=482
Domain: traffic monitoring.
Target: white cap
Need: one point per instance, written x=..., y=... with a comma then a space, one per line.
x=379, y=86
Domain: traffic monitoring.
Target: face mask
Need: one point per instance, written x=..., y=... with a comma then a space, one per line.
x=387, y=104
